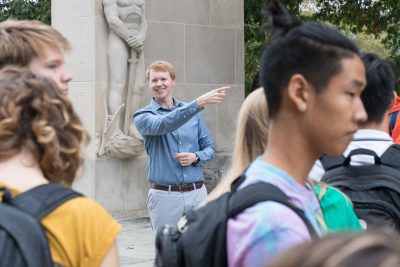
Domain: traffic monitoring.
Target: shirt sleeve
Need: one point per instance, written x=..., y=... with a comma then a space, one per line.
x=149, y=123
x=263, y=231
x=80, y=233
x=206, y=145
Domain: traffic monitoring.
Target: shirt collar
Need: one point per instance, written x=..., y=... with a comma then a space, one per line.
x=155, y=106
x=283, y=176
x=371, y=133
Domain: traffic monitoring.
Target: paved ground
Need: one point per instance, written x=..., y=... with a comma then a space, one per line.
x=136, y=243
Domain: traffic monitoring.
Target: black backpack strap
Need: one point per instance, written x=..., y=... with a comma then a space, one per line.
x=331, y=162
x=27, y=234
x=41, y=200
x=392, y=121
x=391, y=156
x=259, y=192
x=239, y=180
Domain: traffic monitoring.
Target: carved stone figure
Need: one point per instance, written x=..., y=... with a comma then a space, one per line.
x=128, y=26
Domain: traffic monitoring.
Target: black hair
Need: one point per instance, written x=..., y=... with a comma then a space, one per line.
x=377, y=95
x=312, y=49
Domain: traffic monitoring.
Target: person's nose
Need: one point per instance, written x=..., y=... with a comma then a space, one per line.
x=159, y=83
x=66, y=77
x=360, y=115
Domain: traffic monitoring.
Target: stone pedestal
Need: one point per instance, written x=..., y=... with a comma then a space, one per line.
x=203, y=39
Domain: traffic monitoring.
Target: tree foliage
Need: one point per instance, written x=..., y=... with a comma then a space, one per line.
x=26, y=9
x=255, y=38
x=366, y=18
x=378, y=17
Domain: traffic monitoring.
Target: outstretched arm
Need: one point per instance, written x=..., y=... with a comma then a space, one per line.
x=149, y=123
x=213, y=97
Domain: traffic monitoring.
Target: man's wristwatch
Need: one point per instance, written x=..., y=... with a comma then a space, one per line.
x=196, y=160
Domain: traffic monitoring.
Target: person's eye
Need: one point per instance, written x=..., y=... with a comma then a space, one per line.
x=351, y=94
x=52, y=66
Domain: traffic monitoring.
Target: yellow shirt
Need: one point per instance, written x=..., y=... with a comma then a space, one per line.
x=80, y=233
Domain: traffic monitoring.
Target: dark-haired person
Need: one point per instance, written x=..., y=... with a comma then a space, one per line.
x=378, y=98
x=313, y=78
x=41, y=141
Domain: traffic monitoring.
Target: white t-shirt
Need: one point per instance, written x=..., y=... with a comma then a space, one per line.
x=375, y=140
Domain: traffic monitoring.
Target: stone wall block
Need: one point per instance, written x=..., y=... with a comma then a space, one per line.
x=197, y=12
x=215, y=170
x=100, y=52
x=80, y=61
x=166, y=41
x=240, y=57
x=225, y=120
x=227, y=13
x=85, y=180
x=82, y=97
x=166, y=10
x=137, y=185
x=210, y=55
x=72, y=8
x=111, y=180
x=189, y=92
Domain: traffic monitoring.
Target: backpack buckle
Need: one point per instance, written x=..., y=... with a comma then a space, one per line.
x=5, y=195
x=182, y=224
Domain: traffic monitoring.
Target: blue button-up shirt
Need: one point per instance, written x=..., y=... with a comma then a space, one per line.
x=170, y=131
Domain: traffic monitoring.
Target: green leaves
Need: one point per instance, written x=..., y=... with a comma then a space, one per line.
x=26, y=9
x=377, y=21
x=380, y=18
x=255, y=38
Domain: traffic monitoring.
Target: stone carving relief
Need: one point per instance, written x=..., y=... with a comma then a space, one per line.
x=128, y=26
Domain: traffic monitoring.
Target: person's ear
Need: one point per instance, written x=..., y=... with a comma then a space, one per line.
x=299, y=92
x=173, y=82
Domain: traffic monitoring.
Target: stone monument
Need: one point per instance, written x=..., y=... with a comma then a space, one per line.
x=203, y=39
x=128, y=26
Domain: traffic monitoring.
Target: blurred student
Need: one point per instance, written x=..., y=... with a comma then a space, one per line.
x=41, y=139
x=370, y=249
x=38, y=46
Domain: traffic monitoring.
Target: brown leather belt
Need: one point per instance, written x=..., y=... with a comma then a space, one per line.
x=177, y=188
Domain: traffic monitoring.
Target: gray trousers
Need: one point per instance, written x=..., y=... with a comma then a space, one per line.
x=167, y=207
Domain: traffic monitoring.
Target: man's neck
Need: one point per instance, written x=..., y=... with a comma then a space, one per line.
x=289, y=153
x=380, y=126
x=166, y=103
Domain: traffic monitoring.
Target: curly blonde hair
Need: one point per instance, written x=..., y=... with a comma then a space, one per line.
x=34, y=115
